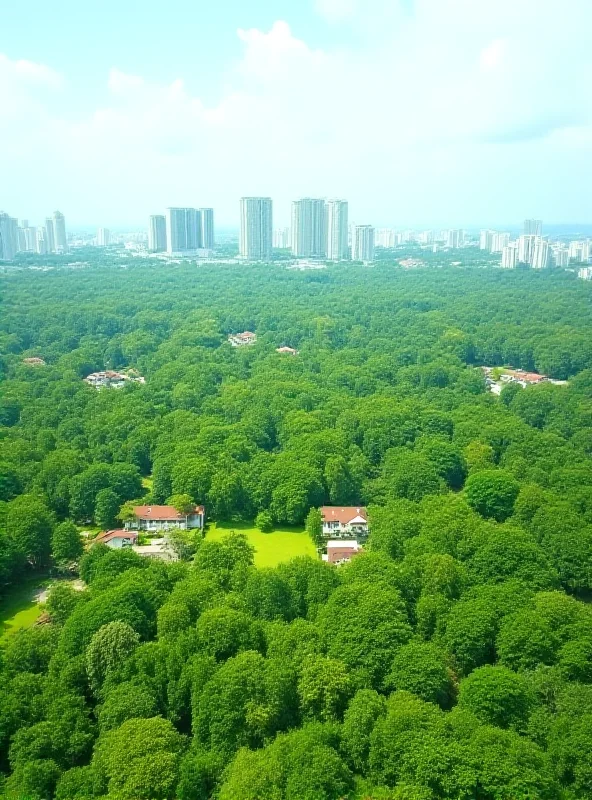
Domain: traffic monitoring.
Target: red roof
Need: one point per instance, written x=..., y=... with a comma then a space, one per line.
x=107, y=536
x=163, y=513
x=345, y=552
x=343, y=515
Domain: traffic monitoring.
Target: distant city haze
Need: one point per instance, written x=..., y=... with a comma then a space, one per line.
x=422, y=113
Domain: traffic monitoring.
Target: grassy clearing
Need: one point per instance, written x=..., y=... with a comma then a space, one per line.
x=20, y=609
x=271, y=549
x=148, y=482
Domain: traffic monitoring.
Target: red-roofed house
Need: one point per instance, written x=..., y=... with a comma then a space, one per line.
x=341, y=522
x=242, y=339
x=341, y=550
x=159, y=518
x=118, y=539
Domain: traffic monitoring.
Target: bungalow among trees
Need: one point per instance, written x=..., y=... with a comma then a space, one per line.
x=161, y=518
x=341, y=523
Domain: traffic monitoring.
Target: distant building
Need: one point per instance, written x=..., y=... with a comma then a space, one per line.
x=585, y=273
x=256, y=228
x=526, y=248
x=485, y=240
x=287, y=351
x=242, y=339
x=103, y=237
x=159, y=518
x=282, y=238
x=183, y=230
x=30, y=239
x=309, y=228
x=363, y=243
x=157, y=233
x=455, y=238
x=540, y=255
x=117, y=539
x=109, y=379
x=337, y=230
x=51, y=244
x=561, y=257
x=510, y=256
x=41, y=244
x=34, y=362
x=386, y=237
x=9, y=241
x=206, y=219
x=340, y=551
x=499, y=241
x=59, y=227
x=533, y=227
x=341, y=522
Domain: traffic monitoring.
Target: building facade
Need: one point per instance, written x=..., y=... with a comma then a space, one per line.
x=50, y=235
x=206, y=220
x=533, y=227
x=103, y=237
x=342, y=523
x=256, y=228
x=337, y=230
x=59, y=228
x=157, y=233
x=540, y=254
x=363, y=243
x=309, y=228
x=160, y=518
x=9, y=240
x=510, y=256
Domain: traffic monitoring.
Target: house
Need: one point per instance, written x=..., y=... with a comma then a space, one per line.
x=342, y=522
x=117, y=539
x=161, y=518
x=341, y=550
x=158, y=549
x=242, y=339
x=110, y=379
x=287, y=351
x=34, y=362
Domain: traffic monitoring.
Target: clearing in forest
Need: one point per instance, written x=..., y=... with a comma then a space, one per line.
x=271, y=549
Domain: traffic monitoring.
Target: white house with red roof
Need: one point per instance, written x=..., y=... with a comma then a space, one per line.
x=242, y=339
x=339, y=551
x=117, y=539
x=343, y=522
x=161, y=518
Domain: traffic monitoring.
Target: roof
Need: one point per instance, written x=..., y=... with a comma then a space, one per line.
x=107, y=536
x=163, y=513
x=344, y=515
x=343, y=544
x=286, y=350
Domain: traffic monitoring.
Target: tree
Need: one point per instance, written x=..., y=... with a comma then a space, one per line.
x=62, y=599
x=324, y=688
x=30, y=525
x=409, y=474
x=126, y=701
x=10, y=484
x=314, y=527
x=264, y=521
x=366, y=707
x=182, y=503
x=492, y=493
x=107, y=506
x=269, y=596
x=423, y=669
x=497, y=696
x=66, y=544
x=109, y=646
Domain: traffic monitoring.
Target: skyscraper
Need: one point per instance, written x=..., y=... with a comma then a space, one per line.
x=183, y=230
x=510, y=256
x=8, y=237
x=59, y=228
x=157, y=233
x=454, y=239
x=540, y=254
x=41, y=241
x=30, y=239
x=103, y=237
x=256, y=233
x=385, y=237
x=50, y=235
x=561, y=256
x=485, y=239
x=207, y=241
x=533, y=227
x=282, y=238
x=499, y=241
x=526, y=248
x=363, y=243
x=309, y=228
x=337, y=222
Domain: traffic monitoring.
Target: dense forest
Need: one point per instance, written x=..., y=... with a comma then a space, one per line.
x=451, y=659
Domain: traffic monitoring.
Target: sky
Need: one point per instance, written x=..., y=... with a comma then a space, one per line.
x=419, y=112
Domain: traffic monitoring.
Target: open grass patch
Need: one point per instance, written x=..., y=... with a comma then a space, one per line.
x=19, y=608
x=271, y=549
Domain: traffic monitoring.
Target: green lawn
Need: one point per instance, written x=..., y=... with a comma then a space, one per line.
x=19, y=609
x=271, y=549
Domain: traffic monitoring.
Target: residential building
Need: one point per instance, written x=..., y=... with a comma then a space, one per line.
x=157, y=233
x=455, y=238
x=109, y=379
x=561, y=257
x=485, y=240
x=256, y=228
x=51, y=245
x=103, y=237
x=117, y=539
x=533, y=227
x=510, y=256
x=341, y=522
x=207, y=238
x=289, y=351
x=242, y=339
x=340, y=551
x=34, y=361
x=41, y=243
x=386, y=237
x=585, y=273
x=425, y=237
x=526, y=248
x=499, y=241
x=363, y=243
x=9, y=240
x=309, y=228
x=161, y=518
x=59, y=229
x=540, y=255
x=183, y=230
x=337, y=230
x=30, y=239
x=282, y=238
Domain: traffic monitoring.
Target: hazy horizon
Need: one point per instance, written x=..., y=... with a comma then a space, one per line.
x=450, y=110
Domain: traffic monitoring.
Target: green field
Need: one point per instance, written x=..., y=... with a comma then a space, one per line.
x=20, y=609
x=271, y=549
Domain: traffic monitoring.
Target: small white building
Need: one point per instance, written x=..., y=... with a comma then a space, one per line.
x=288, y=351
x=339, y=551
x=161, y=518
x=341, y=522
x=117, y=539
x=242, y=339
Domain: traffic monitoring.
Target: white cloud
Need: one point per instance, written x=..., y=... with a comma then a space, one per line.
x=458, y=108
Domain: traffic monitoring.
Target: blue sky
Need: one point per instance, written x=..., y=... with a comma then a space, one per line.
x=420, y=112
